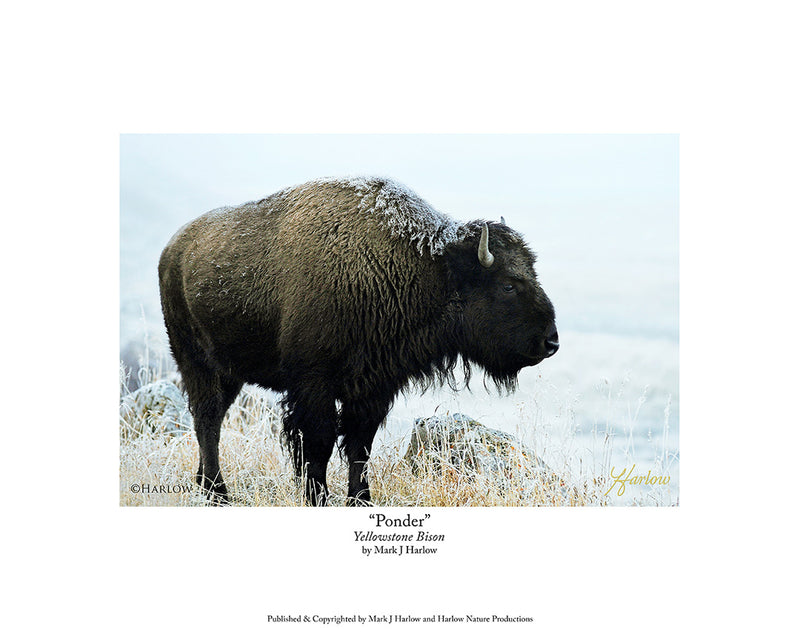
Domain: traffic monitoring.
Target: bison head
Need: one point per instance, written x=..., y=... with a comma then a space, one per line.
x=506, y=320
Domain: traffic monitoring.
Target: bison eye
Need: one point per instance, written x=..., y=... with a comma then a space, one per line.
x=508, y=288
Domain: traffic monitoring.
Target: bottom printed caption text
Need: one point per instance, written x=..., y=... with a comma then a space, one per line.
x=408, y=537
x=395, y=618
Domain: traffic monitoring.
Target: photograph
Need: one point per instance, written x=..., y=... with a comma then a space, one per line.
x=360, y=320
x=399, y=320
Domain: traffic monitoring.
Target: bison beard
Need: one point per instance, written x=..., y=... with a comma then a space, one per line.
x=342, y=291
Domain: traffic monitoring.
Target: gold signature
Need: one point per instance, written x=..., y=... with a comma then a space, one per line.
x=631, y=479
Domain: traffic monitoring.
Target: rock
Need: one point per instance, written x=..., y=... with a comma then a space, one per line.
x=158, y=406
x=471, y=447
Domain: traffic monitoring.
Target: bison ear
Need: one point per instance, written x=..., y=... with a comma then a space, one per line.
x=485, y=256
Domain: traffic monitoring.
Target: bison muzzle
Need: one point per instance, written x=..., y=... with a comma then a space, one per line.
x=340, y=293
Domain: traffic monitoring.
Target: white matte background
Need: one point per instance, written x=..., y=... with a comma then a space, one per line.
x=78, y=75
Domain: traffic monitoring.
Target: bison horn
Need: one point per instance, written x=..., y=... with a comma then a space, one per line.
x=484, y=255
x=502, y=220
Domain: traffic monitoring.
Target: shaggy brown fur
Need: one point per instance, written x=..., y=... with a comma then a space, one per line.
x=341, y=290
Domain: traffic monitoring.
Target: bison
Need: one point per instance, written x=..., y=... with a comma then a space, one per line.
x=340, y=293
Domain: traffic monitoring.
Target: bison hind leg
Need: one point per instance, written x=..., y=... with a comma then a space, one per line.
x=210, y=391
x=210, y=396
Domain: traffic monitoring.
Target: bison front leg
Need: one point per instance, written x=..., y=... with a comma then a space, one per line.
x=357, y=485
x=360, y=422
x=310, y=428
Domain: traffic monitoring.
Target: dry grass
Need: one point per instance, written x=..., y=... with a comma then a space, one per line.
x=258, y=471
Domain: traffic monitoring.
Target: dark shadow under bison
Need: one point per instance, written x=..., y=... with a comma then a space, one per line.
x=348, y=291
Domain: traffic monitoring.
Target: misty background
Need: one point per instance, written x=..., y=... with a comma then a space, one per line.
x=600, y=211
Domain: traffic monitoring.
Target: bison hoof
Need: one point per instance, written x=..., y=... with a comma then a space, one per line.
x=218, y=499
x=216, y=493
x=361, y=500
x=317, y=499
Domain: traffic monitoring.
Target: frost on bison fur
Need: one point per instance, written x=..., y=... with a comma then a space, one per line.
x=340, y=293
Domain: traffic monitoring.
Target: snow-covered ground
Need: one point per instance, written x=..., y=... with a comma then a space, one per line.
x=601, y=212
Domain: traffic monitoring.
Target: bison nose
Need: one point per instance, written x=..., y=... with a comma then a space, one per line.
x=551, y=341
